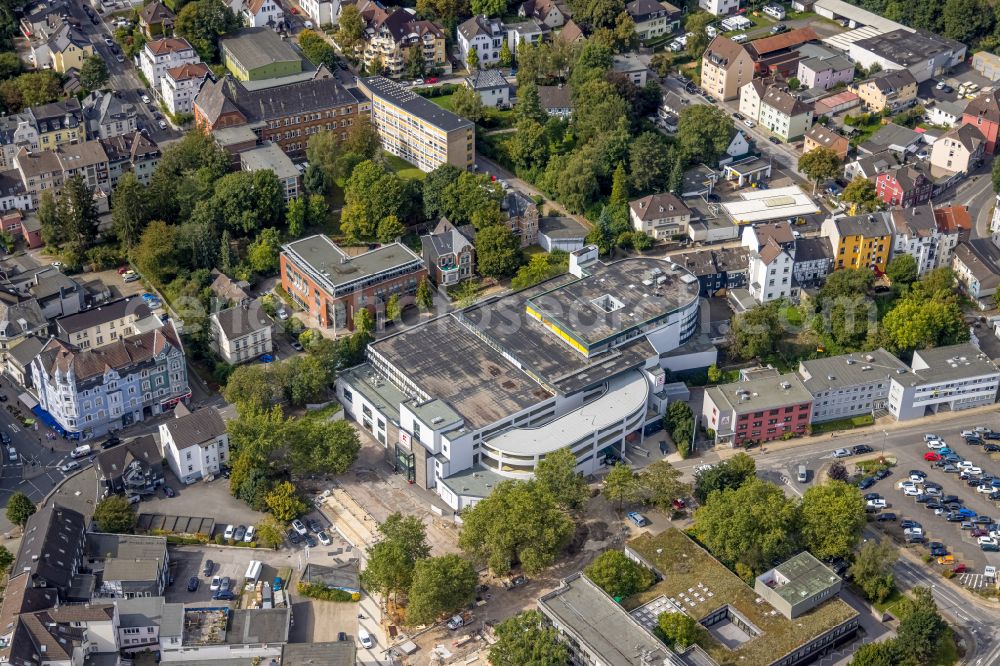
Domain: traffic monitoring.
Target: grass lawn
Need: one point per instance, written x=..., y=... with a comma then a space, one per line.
x=444, y=101
x=402, y=168
x=890, y=604
x=859, y=421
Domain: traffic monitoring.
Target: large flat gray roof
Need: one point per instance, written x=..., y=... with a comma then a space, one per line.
x=269, y=156
x=954, y=362
x=766, y=392
x=805, y=576
x=846, y=370
x=616, y=297
x=258, y=47
x=595, y=620
x=448, y=362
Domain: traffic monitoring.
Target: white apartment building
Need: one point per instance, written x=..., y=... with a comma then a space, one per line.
x=486, y=35
x=785, y=114
x=262, y=14
x=180, y=85
x=160, y=55
x=771, y=261
x=850, y=384
x=195, y=444
x=468, y=400
x=719, y=7
x=660, y=215
x=944, y=379
x=242, y=333
x=322, y=12
x=917, y=234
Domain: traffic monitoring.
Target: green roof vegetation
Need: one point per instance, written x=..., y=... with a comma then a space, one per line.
x=684, y=564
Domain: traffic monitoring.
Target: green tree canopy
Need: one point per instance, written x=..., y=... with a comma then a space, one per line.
x=468, y=104
x=114, y=514
x=19, y=508
x=202, y=22
x=902, y=269
x=703, y=132
x=883, y=653
x=756, y=332
x=284, y=502
x=862, y=193
x=518, y=523
x=678, y=629
x=557, y=474
x=833, y=515
x=526, y=639
x=820, y=164
x=619, y=575
x=498, y=252
x=155, y=255
x=752, y=525
x=872, y=569
x=724, y=475
x=441, y=585
x=660, y=484
x=94, y=73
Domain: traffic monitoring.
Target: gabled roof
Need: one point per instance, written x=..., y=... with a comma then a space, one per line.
x=167, y=45
x=968, y=135
x=486, y=79
x=62, y=357
x=891, y=81
x=640, y=10
x=916, y=221
x=155, y=13
x=53, y=537
x=229, y=95
x=447, y=239
x=556, y=97
x=950, y=220
x=982, y=258
x=657, y=206
x=477, y=25
x=783, y=101
x=113, y=462
x=785, y=40
x=812, y=249
x=570, y=32
x=242, y=320
x=986, y=105
x=723, y=52
x=779, y=232
x=195, y=428
x=198, y=70
x=825, y=137
x=771, y=251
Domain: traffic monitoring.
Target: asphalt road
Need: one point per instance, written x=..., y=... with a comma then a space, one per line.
x=36, y=472
x=123, y=77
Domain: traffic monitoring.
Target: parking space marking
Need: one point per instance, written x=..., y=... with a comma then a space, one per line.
x=13, y=427
x=972, y=581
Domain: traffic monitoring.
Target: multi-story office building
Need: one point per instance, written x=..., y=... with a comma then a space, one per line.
x=761, y=409
x=332, y=285
x=944, y=379
x=84, y=393
x=416, y=129
x=471, y=398
x=286, y=115
x=850, y=384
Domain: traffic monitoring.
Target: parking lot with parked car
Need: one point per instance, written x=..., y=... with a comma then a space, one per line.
x=946, y=498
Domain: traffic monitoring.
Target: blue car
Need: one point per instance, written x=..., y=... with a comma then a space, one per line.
x=945, y=451
x=866, y=483
x=966, y=513
x=266, y=358
x=277, y=584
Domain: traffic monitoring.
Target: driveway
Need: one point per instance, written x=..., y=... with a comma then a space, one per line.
x=209, y=499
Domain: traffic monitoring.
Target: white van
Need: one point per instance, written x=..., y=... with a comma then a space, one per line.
x=365, y=638
x=739, y=38
x=253, y=571
x=803, y=474
x=81, y=451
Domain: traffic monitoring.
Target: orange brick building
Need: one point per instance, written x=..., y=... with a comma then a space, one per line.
x=332, y=285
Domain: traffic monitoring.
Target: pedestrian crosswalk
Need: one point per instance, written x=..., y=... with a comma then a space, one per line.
x=972, y=581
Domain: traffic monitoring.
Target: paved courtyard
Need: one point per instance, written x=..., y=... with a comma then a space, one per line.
x=209, y=499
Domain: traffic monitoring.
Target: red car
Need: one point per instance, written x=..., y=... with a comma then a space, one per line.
x=294, y=10
x=960, y=568
x=431, y=79
x=122, y=270
x=978, y=532
x=930, y=456
x=679, y=504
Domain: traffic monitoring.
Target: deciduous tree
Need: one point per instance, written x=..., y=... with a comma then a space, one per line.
x=19, y=508
x=557, y=474
x=820, y=164
x=527, y=638
x=661, y=484
x=472, y=57
x=441, y=585
x=621, y=485
x=724, y=475
x=833, y=515
x=519, y=522
x=155, y=255
x=93, y=73
x=468, y=104
x=284, y=502
x=703, y=132
x=678, y=629
x=114, y=515
x=752, y=525
x=902, y=269
x=129, y=209
x=756, y=332
x=424, y=297
x=202, y=22
x=498, y=253
x=862, y=194
x=872, y=569
x=618, y=575
x=270, y=533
